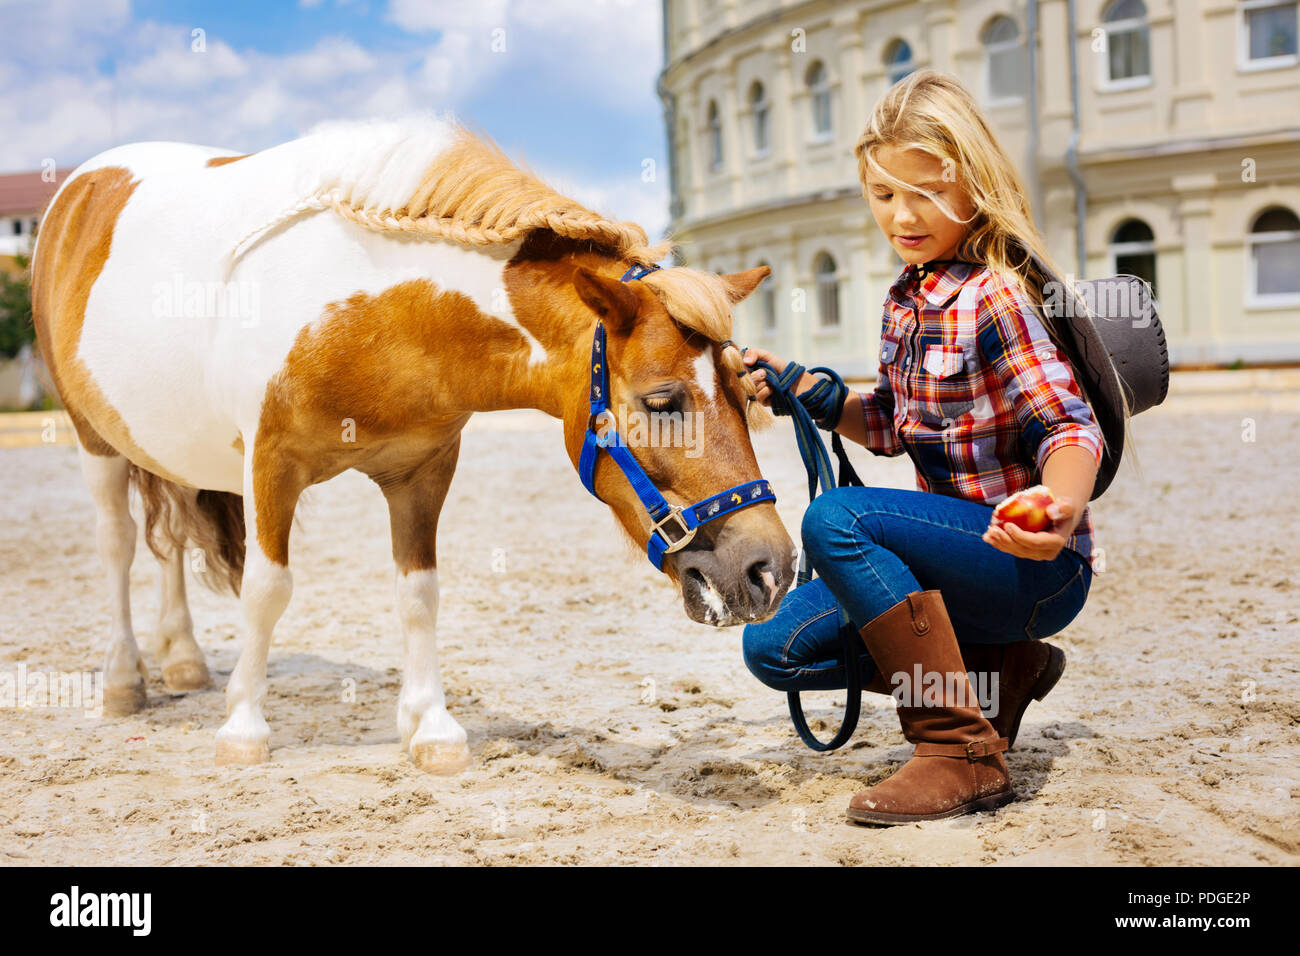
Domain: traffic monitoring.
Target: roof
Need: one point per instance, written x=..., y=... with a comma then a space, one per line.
x=28, y=192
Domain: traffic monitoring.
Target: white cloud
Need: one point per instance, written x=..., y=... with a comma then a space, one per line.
x=331, y=58
x=421, y=16
x=179, y=66
x=605, y=50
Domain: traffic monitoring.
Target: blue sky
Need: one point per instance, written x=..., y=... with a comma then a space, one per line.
x=567, y=86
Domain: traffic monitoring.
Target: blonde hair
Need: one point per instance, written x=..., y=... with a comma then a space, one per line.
x=932, y=112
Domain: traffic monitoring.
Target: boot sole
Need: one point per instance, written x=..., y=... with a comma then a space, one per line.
x=1042, y=687
x=991, y=802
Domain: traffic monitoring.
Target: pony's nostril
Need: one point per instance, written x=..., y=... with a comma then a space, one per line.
x=762, y=581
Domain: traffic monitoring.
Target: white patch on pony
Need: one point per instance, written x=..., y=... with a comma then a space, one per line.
x=706, y=372
x=716, y=608
x=375, y=164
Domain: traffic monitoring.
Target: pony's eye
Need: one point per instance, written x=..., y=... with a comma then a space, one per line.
x=658, y=403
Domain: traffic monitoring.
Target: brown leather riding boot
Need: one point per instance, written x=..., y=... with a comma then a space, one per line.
x=957, y=765
x=1025, y=670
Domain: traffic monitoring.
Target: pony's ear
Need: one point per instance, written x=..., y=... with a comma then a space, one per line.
x=610, y=299
x=740, y=284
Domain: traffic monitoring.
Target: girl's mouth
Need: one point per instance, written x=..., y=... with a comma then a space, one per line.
x=910, y=241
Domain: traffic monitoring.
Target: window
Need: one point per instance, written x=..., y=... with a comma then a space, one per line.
x=715, y=137
x=1128, y=45
x=1133, y=252
x=819, y=90
x=898, y=60
x=828, y=291
x=18, y=227
x=1274, y=244
x=758, y=107
x=767, y=300
x=1268, y=33
x=1007, y=66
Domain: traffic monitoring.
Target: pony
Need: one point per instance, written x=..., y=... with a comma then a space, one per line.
x=226, y=330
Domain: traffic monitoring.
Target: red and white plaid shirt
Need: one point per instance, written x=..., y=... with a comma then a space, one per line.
x=972, y=388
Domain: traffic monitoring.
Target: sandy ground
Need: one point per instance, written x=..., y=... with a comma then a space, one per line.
x=1172, y=738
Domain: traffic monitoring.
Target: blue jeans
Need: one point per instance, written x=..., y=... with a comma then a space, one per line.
x=870, y=548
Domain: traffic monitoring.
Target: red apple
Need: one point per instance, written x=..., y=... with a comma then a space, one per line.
x=1026, y=509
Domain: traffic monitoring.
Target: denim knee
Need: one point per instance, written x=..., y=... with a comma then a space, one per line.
x=763, y=656
x=822, y=516
x=826, y=518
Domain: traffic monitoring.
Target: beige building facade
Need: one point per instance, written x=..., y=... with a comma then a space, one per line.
x=1168, y=129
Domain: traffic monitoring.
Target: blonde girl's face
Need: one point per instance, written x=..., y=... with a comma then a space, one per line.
x=914, y=224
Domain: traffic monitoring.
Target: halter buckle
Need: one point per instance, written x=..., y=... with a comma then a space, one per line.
x=687, y=533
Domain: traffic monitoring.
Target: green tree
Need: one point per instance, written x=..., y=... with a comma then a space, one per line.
x=16, y=328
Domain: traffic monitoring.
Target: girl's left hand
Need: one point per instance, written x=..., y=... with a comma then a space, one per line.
x=1037, y=545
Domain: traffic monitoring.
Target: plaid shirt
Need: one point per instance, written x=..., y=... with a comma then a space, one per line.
x=973, y=390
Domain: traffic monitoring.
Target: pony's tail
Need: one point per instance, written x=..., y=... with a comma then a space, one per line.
x=210, y=522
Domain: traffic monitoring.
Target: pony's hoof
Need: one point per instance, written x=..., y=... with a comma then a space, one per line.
x=186, y=675
x=241, y=753
x=124, y=701
x=441, y=759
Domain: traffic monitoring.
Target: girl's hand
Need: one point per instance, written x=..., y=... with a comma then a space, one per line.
x=806, y=381
x=1037, y=545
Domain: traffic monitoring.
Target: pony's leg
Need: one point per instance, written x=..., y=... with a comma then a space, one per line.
x=436, y=742
x=263, y=595
x=173, y=645
x=124, y=671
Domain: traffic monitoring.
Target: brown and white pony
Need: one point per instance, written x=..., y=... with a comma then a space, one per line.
x=227, y=330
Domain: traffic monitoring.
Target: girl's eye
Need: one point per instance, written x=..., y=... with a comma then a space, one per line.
x=884, y=197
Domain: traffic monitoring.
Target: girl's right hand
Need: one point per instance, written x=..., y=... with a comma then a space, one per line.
x=806, y=381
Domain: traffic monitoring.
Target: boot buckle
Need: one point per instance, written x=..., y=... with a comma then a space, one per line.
x=972, y=755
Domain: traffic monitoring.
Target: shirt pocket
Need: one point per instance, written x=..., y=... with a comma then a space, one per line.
x=944, y=394
x=943, y=361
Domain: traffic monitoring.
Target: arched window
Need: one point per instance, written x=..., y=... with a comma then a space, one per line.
x=1274, y=244
x=1128, y=44
x=767, y=300
x=715, y=137
x=1133, y=252
x=898, y=60
x=1007, y=73
x=819, y=94
x=828, y=290
x=760, y=109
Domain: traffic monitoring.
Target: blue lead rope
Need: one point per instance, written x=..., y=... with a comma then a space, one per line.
x=819, y=407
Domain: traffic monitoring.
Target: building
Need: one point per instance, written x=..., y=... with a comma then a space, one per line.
x=23, y=197
x=1159, y=138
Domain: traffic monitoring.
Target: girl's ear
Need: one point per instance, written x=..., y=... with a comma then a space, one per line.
x=610, y=299
x=740, y=284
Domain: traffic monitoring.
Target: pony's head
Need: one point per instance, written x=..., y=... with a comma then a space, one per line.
x=680, y=400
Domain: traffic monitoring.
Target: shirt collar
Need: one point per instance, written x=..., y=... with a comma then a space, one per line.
x=937, y=280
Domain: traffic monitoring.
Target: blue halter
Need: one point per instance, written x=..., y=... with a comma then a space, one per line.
x=686, y=519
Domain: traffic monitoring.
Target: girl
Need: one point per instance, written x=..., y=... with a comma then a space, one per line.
x=974, y=387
